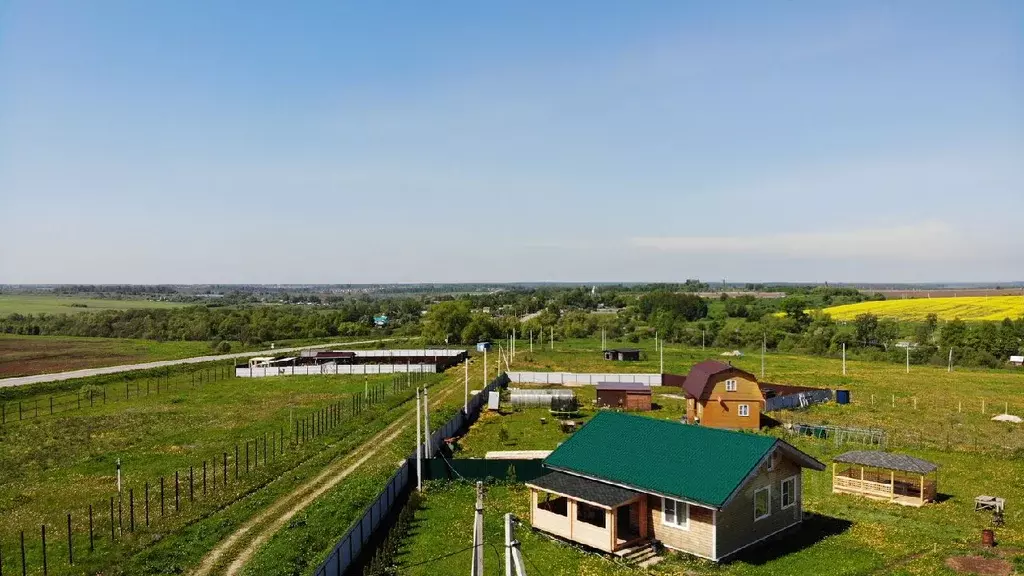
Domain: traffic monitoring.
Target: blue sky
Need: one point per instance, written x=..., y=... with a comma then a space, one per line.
x=492, y=141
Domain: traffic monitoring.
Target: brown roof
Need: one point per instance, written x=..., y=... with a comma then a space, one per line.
x=700, y=375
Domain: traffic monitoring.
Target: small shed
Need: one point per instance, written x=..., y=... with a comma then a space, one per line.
x=1017, y=360
x=622, y=354
x=483, y=346
x=624, y=395
x=897, y=478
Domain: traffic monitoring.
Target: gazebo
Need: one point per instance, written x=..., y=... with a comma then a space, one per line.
x=885, y=476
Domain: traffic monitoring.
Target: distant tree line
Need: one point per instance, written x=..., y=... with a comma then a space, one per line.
x=625, y=313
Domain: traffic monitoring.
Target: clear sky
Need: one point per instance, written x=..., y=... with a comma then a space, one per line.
x=294, y=142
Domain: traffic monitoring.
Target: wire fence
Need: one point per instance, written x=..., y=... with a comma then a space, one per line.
x=357, y=545
x=126, y=388
x=141, y=509
x=944, y=422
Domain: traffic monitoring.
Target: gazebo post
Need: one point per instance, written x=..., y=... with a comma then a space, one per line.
x=922, y=489
x=892, y=484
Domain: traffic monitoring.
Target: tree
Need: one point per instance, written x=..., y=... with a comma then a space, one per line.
x=865, y=326
x=887, y=332
x=689, y=307
x=446, y=321
x=794, y=307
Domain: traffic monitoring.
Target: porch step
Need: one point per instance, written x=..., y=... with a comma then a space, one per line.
x=643, y=555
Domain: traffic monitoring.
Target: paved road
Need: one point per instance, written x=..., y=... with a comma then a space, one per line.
x=57, y=376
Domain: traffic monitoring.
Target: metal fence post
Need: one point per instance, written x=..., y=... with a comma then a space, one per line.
x=44, y=549
x=71, y=550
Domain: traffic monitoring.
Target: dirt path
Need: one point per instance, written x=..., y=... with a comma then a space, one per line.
x=243, y=543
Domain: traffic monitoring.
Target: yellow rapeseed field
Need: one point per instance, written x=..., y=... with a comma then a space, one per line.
x=965, y=308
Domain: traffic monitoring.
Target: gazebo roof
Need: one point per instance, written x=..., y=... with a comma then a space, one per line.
x=887, y=461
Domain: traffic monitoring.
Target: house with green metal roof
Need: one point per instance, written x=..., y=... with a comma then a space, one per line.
x=624, y=482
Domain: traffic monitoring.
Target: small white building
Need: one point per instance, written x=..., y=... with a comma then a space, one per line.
x=1017, y=360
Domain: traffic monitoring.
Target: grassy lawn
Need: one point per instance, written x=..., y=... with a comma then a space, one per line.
x=40, y=304
x=844, y=534
x=948, y=411
x=60, y=464
x=312, y=534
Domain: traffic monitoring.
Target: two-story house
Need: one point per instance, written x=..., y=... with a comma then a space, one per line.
x=720, y=395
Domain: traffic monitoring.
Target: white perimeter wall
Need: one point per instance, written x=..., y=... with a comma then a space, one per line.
x=581, y=378
x=331, y=369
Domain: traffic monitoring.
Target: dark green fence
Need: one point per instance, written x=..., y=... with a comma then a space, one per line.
x=480, y=469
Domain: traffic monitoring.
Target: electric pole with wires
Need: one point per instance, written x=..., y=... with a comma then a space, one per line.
x=513, y=555
x=477, y=569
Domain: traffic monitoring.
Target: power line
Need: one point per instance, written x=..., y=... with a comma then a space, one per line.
x=450, y=554
x=538, y=570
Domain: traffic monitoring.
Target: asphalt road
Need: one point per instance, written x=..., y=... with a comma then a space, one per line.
x=57, y=376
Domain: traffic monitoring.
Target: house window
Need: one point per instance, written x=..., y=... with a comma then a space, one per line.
x=675, y=513
x=590, y=514
x=730, y=385
x=762, y=503
x=788, y=492
x=554, y=504
x=744, y=410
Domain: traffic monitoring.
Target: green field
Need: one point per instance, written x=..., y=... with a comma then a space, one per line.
x=37, y=304
x=849, y=535
x=60, y=464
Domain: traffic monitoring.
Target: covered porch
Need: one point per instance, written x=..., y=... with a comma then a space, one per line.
x=598, y=515
x=885, y=476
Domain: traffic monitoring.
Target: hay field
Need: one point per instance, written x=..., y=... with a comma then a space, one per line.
x=974, y=308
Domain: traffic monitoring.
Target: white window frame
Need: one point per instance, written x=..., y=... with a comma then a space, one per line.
x=743, y=410
x=767, y=489
x=665, y=502
x=730, y=385
x=793, y=496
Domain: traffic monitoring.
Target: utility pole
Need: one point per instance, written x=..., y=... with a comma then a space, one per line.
x=478, y=533
x=513, y=555
x=426, y=424
x=661, y=350
x=465, y=402
x=508, y=544
x=844, y=358
x=908, y=357
x=950, y=369
x=419, y=445
x=764, y=344
x=485, y=365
